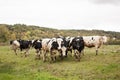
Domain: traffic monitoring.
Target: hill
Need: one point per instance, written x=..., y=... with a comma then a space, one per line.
x=22, y=31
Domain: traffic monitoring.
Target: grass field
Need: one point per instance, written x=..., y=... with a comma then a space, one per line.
x=91, y=67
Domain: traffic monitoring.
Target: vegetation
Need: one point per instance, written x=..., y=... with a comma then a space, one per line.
x=91, y=67
x=22, y=31
x=101, y=67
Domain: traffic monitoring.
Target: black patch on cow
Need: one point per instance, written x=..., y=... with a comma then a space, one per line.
x=78, y=43
x=37, y=45
x=68, y=44
x=64, y=43
x=54, y=45
x=24, y=44
x=93, y=39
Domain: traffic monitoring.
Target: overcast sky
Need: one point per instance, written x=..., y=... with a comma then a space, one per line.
x=63, y=14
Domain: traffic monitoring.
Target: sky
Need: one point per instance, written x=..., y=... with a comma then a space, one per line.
x=63, y=14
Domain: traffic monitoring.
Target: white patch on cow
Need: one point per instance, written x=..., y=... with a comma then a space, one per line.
x=16, y=43
x=50, y=43
x=63, y=50
x=71, y=39
x=38, y=40
x=59, y=41
x=53, y=39
x=45, y=43
x=33, y=41
x=77, y=39
x=68, y=38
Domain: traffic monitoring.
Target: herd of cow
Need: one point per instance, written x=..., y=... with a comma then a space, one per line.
x=60, y=45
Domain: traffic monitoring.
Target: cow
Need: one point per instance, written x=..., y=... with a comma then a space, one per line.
x=69, y=41
x=53, y=46
x=49, y=45
x=94, y=41
x=37, y=44
x=22, y=45
x=77, y=45
x=15, y=45
x=62, y=47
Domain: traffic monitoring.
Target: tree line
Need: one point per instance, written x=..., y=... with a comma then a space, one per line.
x=29, y=32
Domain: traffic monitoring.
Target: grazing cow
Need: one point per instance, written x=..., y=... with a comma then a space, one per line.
x=37, y=44
x=22, y=44
x=77, y=45
x=94, y=41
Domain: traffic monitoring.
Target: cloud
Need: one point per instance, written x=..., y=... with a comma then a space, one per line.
x=114, y=2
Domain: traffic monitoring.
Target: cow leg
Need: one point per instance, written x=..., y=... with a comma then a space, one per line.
x=44, y=56
x=83, y=52
x=96, y=52
x=75, y=54
x=70, y=50
x=51, y=56
x=79, y=56
x=61, y=55
x=26, y=52
x=15, y=50
x=54, y=56
x=37, y=54
x=66, y=53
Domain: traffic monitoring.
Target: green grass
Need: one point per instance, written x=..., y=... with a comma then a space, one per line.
x=101, y=67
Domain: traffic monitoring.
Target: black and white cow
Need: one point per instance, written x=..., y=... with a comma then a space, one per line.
x=53, y=46
x=21, y=44
x=37, y=44
x=69, y=46
x=48, y=45
x=15, y=45
x=77, y=45
x=62, y=47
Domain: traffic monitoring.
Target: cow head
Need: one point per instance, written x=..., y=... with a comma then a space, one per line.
x=78, y=42
x=11, y=42
x=60, y=43
x=105, y=39
x=54, y=45
x=37, y=44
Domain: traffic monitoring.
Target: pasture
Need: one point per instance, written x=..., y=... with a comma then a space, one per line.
x=91, y=67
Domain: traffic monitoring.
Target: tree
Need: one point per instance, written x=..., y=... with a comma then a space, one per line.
x=4, y=33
